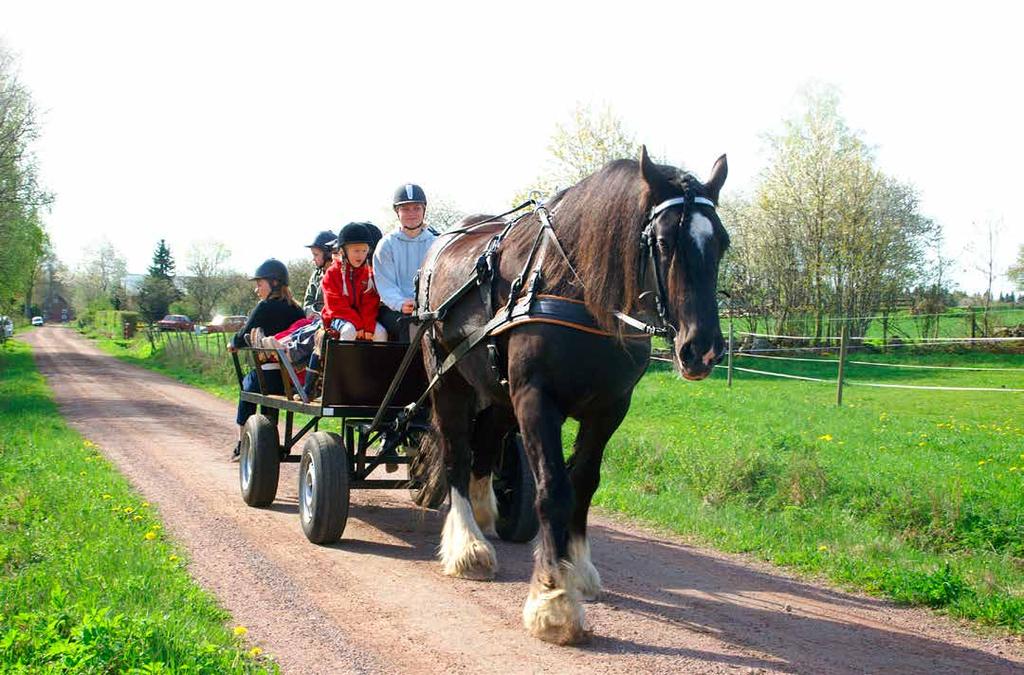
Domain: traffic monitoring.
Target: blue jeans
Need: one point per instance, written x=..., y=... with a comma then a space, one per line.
x=272, y=379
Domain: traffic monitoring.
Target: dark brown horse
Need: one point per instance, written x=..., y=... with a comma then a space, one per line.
x=555, y=371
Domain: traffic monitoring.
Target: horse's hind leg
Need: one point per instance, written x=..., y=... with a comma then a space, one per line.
x=464, y=550
x=553, y=611
x=489, y=430
x=585, y=474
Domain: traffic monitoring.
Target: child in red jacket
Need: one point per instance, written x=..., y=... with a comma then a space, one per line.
x=350, y=299
x=350, y=295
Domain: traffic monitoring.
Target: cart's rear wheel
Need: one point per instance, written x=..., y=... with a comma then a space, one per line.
x=516, y=493
x=323, y=487
x=259, y=461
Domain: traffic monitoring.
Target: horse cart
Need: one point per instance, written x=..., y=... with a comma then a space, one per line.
x=375, y=391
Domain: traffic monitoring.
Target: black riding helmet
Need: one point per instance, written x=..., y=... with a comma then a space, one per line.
x=325, y=241
x=356, y=233
x=410, y=193
x=272, y=270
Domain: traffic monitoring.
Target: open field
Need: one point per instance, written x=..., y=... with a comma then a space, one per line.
x=88, y=581
x=913, y=495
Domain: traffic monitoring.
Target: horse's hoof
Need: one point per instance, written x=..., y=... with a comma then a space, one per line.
x=555, y=616
x=476, y=561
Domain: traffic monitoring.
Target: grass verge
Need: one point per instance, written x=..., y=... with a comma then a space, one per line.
x=88, y=580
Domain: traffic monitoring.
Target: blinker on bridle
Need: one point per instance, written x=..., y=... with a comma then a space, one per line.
x=664, y=328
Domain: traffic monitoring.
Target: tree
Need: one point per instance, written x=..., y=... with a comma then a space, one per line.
x=581, y=147
x=208, y=278
x=1016, y=271
x=157, y=291
x=984, y=256
x=826, y=232
x=98, y=277
x=21, y=197
x=163, y=262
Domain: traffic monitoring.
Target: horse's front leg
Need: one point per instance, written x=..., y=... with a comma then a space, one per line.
x=464, y=551
x=585, y=474
x=553, y=611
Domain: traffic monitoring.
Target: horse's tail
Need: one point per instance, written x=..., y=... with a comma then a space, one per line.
x=427, y=467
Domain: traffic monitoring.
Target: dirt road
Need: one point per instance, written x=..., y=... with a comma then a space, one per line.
x=376, y=601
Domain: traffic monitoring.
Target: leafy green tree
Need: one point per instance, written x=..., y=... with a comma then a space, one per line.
x=98, y=277
x=582, y=146
x=208, y=277
x=1016, y=271
x=158, y=291
x=827, y=233
x=22, y=199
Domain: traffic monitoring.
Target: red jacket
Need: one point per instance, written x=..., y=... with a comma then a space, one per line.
x=350, y=294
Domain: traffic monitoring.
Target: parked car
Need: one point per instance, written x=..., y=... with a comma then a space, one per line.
x=225, y=324
x=37, y=321
x=175, y=322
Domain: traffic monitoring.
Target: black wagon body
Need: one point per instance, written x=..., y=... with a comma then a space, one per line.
x=373, y=389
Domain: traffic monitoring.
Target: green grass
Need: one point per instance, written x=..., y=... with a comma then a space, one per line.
x=914, y=495
x=917, y=496
x=88, y=580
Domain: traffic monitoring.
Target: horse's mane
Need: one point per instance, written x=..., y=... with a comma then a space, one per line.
x=599, y=222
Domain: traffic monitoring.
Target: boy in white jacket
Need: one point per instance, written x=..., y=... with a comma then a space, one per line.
x=398, y=257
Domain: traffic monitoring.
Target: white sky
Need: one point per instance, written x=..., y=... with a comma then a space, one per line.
x=258, y=124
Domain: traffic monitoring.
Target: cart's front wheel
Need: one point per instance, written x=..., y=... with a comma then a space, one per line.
x=516, y=493
x=323, y=487
x=259, y=461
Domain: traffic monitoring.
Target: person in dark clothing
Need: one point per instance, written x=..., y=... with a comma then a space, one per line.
x=275, y=312
x=320, y=249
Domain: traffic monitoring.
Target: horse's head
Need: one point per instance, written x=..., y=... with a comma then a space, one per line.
x=686, y=241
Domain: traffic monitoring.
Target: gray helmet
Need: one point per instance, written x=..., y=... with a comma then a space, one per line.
x=410, y=193
x=272, y=270
x=325, y=240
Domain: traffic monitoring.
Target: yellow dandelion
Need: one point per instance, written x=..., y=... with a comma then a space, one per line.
x=81, y=473
x=150, y=536
x=136, y=518
x=1012, y=469
x=145, y=505
x=825, y=437
x=240, y=631
x=129, y=509
x=106, y=496
x=981, y=462
x=255, y=651
x=172, y=558
x=823, y=548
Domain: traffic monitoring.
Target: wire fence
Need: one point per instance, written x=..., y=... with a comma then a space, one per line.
x=837, y=357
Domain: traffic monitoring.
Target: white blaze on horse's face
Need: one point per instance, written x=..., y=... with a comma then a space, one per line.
x=701, y=230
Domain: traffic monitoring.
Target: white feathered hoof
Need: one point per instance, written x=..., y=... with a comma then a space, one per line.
x=554, y=615
x=464, y=551
x=475, y=561
x=582, y=575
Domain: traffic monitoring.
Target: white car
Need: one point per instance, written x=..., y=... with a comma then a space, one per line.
x=37, y=321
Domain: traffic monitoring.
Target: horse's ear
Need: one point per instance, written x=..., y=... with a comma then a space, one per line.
x=647, y=169
x=718, y=173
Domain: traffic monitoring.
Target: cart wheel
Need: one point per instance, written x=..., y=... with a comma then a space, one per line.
x=516, y=493
x=323, y=487
x=427, y=491
x=259, y=461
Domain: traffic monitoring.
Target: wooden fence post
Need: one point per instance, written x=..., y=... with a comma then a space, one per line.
x=844, y=336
